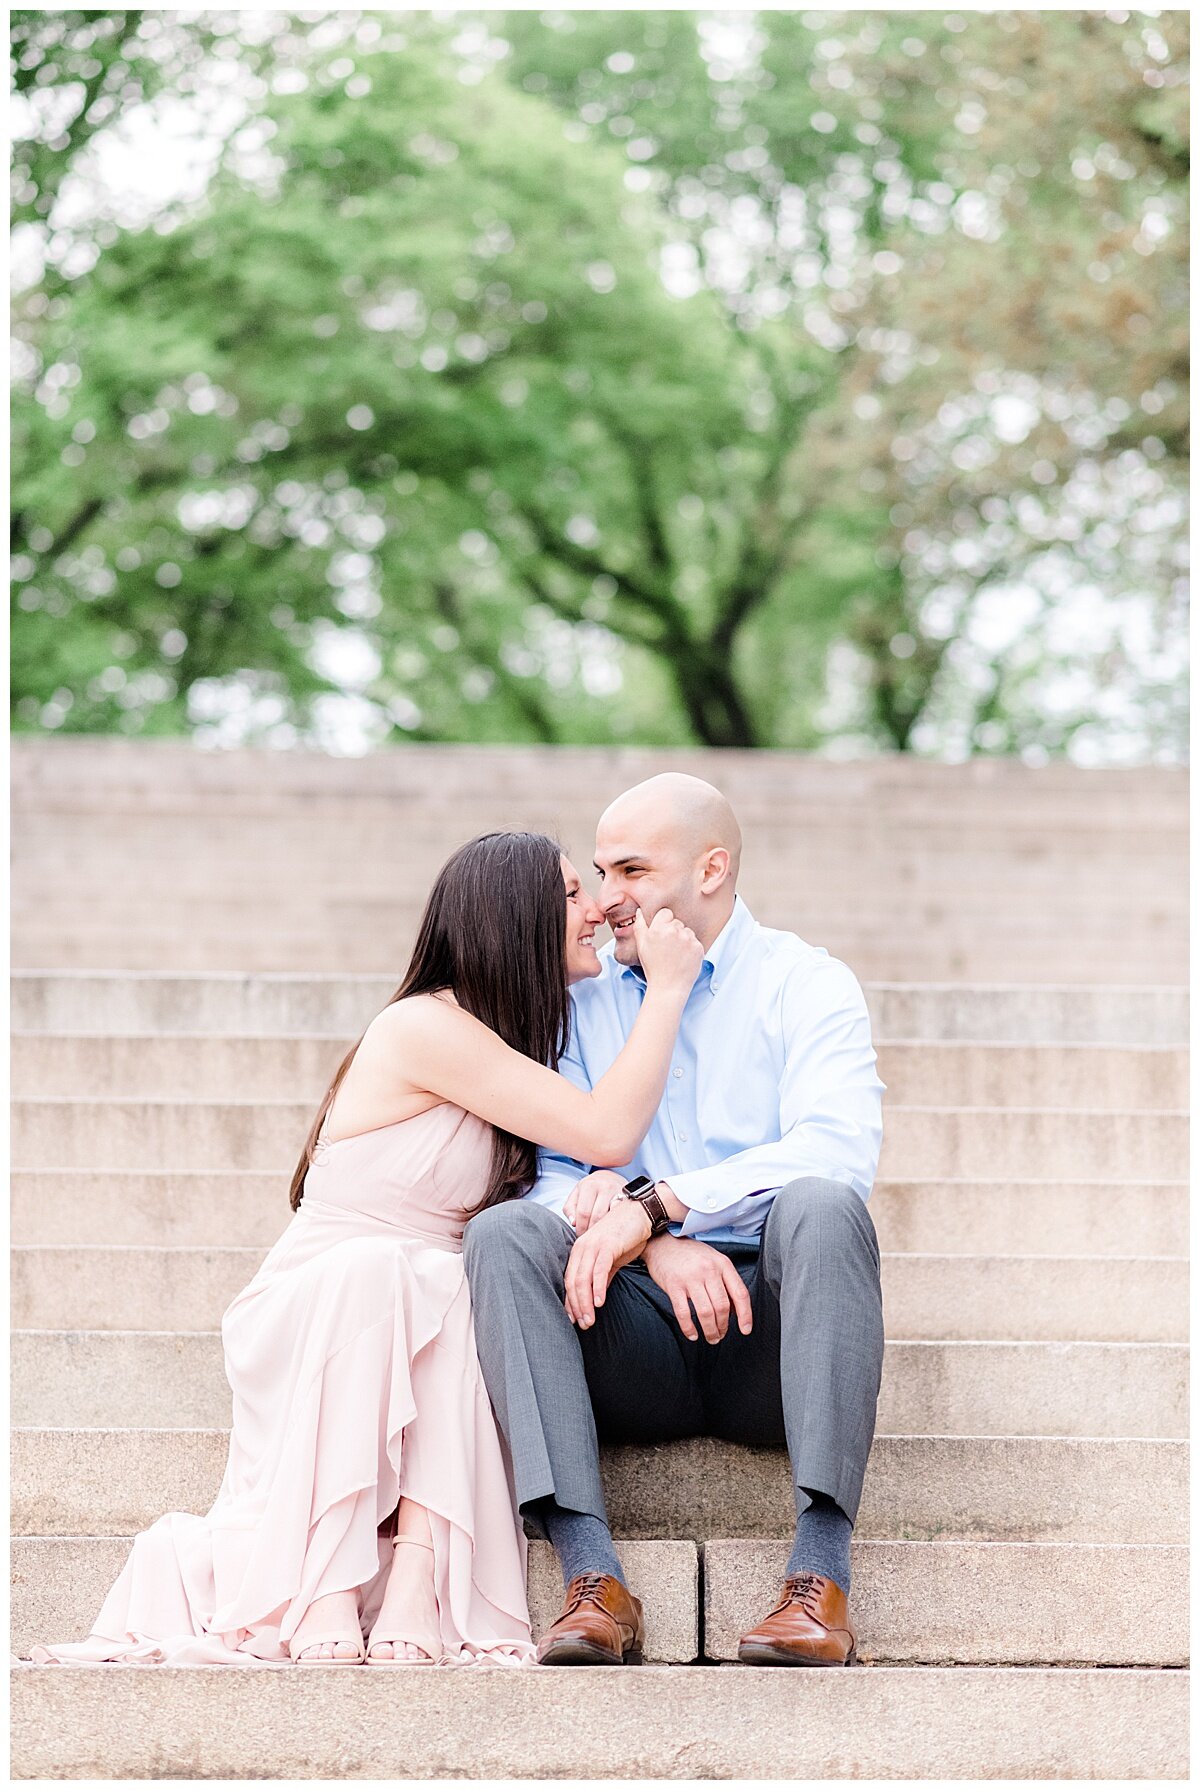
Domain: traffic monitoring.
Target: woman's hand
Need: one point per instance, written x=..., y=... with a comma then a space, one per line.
x=590, y=1198
x=609, y=1244
x=669, y=952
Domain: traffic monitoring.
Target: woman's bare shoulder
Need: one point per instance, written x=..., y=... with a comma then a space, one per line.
x=419, y=1016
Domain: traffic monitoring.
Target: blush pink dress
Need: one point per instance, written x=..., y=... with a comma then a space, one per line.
x=351, y=1357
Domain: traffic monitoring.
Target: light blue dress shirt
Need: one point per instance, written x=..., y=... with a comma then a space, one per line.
x=772, y=1077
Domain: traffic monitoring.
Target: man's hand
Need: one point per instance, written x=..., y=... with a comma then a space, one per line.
x=591, y=1198
x=702, y=1280
x=610, y=1242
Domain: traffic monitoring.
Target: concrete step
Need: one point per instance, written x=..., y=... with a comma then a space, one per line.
x=1018, y=1603
x=918, y=1488
x=1061, y=1218
x=358, y=951
x=931, y=843
x=665, y=1722
x=558, y=792
x=202, y=897
x=171, y=1379
x=104, y=870
x=926, y=1297
x=1161, y=917
x=69, y=763
x=233, y=1003
x=1025, y=1143
x=204, y=1066
x=210, y=1066
x=957, y=915
x=966, y=1603
x=959, y=1142
x=951, y=1217
x=956, y=831
x=59, y=1584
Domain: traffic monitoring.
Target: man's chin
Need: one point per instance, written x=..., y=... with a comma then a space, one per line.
x=625, y=952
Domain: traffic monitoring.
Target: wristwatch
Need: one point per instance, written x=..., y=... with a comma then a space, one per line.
x=641, y=1189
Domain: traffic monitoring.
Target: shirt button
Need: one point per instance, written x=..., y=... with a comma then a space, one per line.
x=683, y=1137
x=677, y=1073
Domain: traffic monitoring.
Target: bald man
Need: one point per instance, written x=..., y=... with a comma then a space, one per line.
x=726, y=1281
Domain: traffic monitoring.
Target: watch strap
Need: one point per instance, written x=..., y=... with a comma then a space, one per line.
x=645, y=1192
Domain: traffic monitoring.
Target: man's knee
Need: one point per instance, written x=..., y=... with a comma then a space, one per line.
x=515, y=1230
x=815, y=1206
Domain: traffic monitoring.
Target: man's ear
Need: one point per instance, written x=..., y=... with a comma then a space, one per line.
x=716, y=869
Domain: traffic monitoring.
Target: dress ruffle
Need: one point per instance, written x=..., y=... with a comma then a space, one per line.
x=355, y=1379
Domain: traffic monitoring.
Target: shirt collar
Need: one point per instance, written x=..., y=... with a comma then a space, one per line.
x=728, y=942
x=721, y=953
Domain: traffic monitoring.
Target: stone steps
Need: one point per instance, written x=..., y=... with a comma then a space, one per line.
x=926, y=1297
x=972, y=1602
x=860, y=911
x=238, y=1004
x=175, y=1378
x=803, y=884
x=953, y=831
x=142, y=864
x=359, y=952
x=675, y=1722
x=214, y=1066
x=1021, y=938
x=59, y=1584
x=965, y=1603
x=811, y=911
x=918, y=1488
x=1017, y=1143
x=958, y=912
x=117, y=768
x=797, y=792
x=248, y=1208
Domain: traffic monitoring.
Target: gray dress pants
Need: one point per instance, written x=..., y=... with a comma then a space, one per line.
x=808, y=1374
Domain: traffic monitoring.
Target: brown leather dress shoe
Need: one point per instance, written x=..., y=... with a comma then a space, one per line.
x=601, y=1625
x=810, y=1626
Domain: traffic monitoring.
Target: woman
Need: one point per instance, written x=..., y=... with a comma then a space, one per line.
x=367, y=1483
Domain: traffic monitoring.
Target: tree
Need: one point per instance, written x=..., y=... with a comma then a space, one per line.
x=621, y=394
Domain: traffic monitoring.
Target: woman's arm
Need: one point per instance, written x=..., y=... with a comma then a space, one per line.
x=435, y=1045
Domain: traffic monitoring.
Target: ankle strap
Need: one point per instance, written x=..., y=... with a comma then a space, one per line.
x=412, y=1542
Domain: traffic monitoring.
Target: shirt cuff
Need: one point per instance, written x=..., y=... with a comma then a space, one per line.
x=708, y=1191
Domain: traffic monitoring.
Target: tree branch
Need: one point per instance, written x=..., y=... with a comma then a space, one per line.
x=580, y=559
x=519, y=690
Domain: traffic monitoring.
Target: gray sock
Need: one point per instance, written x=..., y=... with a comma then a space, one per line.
x=583, y=1543
x=822, y=1543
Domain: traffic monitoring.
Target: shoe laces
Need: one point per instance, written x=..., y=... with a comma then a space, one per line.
x=586, y=1586
x=804, y=1588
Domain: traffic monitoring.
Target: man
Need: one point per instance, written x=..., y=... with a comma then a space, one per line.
x=727, y=1282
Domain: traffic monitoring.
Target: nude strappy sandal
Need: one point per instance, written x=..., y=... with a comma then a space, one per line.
x=430, y=1643
x=308, y=1642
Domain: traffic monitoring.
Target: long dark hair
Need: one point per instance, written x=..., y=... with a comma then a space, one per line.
x=494, y=932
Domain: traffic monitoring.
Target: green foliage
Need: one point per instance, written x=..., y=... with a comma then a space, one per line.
x=603, y=376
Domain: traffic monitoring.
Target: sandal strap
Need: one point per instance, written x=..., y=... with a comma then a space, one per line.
x=328, y=1641
x=430, y=1643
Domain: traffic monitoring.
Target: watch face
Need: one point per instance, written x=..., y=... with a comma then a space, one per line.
x=640, y=1184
